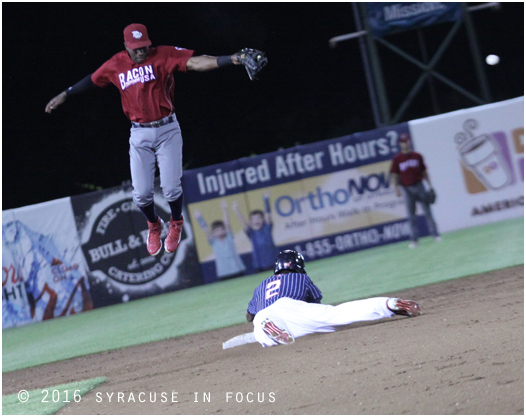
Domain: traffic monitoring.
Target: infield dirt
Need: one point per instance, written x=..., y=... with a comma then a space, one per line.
x=464, y=355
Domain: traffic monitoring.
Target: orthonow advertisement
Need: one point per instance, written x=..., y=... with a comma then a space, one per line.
x=475, y=158
x=323, y=199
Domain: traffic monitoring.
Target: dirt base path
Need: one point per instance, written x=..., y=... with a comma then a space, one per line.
x=464, y=355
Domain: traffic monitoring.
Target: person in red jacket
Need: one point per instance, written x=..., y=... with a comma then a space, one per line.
x=409, y=171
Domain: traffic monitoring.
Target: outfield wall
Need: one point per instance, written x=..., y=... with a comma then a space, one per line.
x=332, y=197
x=476, y=161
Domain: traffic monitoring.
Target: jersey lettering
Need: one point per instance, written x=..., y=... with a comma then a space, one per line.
x=293, y=285
x=410, y=163
x=272, y=289
x=136, y=75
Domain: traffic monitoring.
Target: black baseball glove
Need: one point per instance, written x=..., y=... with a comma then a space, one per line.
x=253, y=60
x=431, y=196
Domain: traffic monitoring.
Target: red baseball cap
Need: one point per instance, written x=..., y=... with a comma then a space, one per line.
x=136, y=36
x=404, y=137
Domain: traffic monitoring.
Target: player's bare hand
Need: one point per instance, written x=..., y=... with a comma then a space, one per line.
x=56, y=101
x=397, y=192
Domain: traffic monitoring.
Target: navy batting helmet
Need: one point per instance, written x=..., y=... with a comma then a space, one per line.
x=290, y=259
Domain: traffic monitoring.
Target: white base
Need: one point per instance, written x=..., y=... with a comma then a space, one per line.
x=242, y=339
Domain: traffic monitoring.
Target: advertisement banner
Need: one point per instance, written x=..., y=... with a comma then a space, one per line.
x=309, y=197
x=390, y=17
x=44, y=273
x=88, y=251
x=113, y=234
x=475, y=158
x=292, y=164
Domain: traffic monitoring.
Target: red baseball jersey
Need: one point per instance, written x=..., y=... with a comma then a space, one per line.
x=147, y=89
x=409, y=166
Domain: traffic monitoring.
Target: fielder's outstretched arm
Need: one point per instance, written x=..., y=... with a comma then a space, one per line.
x=83, y=85
x=207, y=63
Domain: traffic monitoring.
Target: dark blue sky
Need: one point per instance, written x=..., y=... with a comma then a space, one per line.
x=308, y=92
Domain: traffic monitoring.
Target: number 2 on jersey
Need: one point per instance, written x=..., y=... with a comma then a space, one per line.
x=272, y=289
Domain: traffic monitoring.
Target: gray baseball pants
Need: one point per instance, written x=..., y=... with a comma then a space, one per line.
x=412, y=194
x=156, y=145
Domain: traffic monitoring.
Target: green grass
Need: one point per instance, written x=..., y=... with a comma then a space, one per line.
x=382, y=270
x=48, y=400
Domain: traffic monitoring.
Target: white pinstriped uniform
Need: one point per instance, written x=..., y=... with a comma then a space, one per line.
x=292, y=302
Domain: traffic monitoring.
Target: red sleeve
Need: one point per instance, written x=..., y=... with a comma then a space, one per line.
x=102, y=77
x=176, y=58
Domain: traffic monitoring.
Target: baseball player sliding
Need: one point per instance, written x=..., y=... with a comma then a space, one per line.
x=144, y=76
x=288, y=305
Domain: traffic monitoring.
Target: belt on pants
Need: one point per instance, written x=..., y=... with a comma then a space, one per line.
x=157, y=123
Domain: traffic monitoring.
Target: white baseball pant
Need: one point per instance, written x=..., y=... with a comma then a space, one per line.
x=300, y=318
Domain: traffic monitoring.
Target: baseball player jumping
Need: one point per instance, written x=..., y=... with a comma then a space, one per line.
x=287, y=305
x=144, y=76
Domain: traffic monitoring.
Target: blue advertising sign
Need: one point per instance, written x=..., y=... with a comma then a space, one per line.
x=325, y=198
x=389, y=17
x=292, y=164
